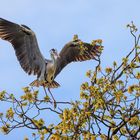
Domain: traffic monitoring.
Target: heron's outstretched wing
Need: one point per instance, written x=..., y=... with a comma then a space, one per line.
x=77, y=51
x=25, y=44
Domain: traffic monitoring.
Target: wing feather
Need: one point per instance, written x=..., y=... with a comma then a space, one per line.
x=25, y=45
x=77, y=51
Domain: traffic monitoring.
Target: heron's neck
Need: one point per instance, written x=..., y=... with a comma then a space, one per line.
x=54, y=61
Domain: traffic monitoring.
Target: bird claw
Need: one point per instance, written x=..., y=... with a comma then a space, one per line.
x=55, y=104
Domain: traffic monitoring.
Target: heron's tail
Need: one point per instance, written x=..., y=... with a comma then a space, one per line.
x=37, y=83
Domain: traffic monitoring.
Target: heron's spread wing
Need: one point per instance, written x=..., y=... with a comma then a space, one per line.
x=77, y=51
x=25, y=44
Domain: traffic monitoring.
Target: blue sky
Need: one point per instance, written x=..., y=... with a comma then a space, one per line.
x=55, y=22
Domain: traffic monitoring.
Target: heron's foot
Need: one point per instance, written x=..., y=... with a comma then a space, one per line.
x=55, y=104
x=54, y=101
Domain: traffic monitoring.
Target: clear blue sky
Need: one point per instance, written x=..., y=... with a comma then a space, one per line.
x=55, y=22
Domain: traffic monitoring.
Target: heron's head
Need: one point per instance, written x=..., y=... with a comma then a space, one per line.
x=54, y=54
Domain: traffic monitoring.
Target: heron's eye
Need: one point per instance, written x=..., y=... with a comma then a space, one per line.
x=53, y=50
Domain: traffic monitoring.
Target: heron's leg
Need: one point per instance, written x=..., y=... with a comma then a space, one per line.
x=45, y=90
x=52, y=97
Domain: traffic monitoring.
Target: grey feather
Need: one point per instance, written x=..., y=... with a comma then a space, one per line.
x=71, y=52
x=26, y=47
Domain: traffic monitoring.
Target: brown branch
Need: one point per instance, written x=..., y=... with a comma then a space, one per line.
x=123, y=123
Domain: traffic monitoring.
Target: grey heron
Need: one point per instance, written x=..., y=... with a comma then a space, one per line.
x=25, y=44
